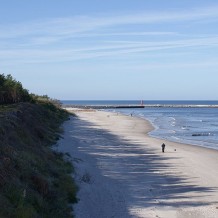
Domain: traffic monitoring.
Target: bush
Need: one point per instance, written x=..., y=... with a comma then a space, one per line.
x=35, y=181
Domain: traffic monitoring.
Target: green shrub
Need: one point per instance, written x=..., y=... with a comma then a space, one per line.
x=35, y=181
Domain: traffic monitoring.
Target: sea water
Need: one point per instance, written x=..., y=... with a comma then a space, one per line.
x=192, y=125
x=197, y=126
x=135, y=102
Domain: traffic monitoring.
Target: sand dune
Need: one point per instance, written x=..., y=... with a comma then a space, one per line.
x=121, y=171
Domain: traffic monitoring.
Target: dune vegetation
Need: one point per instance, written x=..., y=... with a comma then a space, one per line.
x=35, y=180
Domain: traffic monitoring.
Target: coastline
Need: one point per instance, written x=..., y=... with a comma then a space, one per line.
x=122, y=171
x=178, y=138
x=174, y=141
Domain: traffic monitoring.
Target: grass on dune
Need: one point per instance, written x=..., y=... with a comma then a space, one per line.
x=35, y=181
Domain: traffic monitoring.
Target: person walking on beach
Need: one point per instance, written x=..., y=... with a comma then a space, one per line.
x=163, y=147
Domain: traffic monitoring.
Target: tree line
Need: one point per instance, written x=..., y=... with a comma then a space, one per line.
x=12, y=91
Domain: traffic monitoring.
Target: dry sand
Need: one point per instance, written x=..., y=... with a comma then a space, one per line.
x=121, y=171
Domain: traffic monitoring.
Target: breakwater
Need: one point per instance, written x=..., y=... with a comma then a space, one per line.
x=114, y=106
x=103, y=106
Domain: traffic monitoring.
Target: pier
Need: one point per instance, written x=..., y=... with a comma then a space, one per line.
x=103, y=106
x=137, y=106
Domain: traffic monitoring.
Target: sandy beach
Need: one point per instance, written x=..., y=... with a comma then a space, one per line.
x=121, y=171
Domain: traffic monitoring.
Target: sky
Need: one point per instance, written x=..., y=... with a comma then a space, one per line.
x=112, y=49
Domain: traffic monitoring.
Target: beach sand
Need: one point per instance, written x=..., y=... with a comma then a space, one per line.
x=121, y=171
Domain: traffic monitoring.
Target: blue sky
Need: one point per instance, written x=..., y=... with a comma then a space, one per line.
x=95, y=50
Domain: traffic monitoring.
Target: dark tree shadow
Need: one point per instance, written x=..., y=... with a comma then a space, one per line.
x=138, y=168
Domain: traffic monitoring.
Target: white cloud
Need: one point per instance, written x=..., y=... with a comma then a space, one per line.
x=59, y=40
x=67, y=27
x=112, y=49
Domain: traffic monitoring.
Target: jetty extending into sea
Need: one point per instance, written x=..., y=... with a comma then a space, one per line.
x=103, y=106
x=115, y=106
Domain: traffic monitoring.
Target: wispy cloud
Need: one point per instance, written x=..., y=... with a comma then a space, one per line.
x=105, y=50
x=66, y=27
x=86, y=37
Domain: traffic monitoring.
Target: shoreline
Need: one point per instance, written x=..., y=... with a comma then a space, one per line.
x=182, y=142
x=121, y=171
x=152, y=128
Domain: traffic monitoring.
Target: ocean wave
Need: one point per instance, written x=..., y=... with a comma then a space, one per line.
x=171, y=131
x=173, y=118
x=184, y=128
x=198, y=127
x=175, y=138
x=173, y=124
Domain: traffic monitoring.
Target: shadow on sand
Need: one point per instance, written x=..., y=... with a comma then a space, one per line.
x=137, y=167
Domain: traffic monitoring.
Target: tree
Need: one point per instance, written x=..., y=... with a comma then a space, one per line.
x=12, y=91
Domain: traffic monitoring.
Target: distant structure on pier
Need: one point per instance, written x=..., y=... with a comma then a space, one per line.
x=142, y=102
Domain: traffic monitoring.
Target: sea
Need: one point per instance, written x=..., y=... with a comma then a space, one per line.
x=191, y=125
